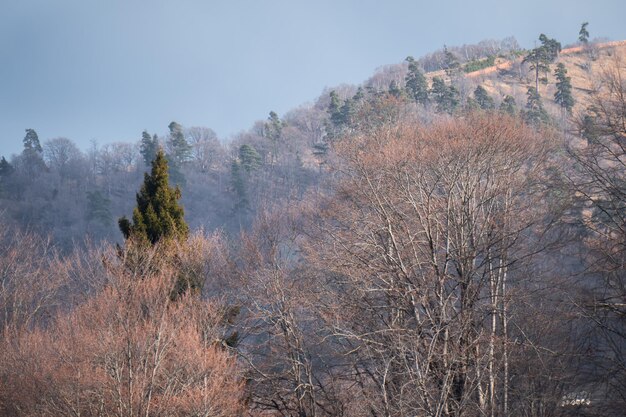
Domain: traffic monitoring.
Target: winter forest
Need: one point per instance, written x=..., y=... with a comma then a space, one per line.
x=446, y=239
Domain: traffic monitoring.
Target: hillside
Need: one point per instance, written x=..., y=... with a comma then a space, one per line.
x=405, y=247
x=512, y=77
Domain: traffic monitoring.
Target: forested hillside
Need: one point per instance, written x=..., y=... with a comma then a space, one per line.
x=446, y=239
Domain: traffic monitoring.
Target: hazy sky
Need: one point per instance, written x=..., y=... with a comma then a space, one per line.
x=108, y=69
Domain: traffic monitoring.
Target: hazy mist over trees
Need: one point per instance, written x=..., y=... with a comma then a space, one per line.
x=446, y=239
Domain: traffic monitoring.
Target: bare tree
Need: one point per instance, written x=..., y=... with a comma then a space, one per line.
x=417, y=249
x=129, y=350
x=600, y=185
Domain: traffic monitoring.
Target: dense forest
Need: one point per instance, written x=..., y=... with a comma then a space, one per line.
x=446, y=239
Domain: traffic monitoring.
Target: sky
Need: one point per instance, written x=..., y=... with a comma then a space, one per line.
x=105, y=70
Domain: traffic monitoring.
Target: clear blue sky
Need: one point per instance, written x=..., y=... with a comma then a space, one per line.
x=107, y=69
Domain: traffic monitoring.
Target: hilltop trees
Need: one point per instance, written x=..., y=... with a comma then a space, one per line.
x=541, y=57
x=583, y=34
x=415, y=83
x=149, y=147
x=32, y=155
x=445, y=97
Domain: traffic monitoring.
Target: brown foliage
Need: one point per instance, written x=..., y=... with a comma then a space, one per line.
x=129, y=350
x=415, y=252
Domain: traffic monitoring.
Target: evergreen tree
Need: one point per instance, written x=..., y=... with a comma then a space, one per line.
x=563, y=96
x=394, y=89
x=179, y=148
x=589, y=129
x=539, y=63
x=32, y=155
x=415, y=83
x=551, y=47
x=446, y=98
x=239, y=185
x=158, y=216
x=6, y=169
x=334, y=110
x=273, y=128
x=508, y=105
x=31, y=142
x=535, y=113
x=149, y=147
x=249, y=158
x=483, y=99
x=450, y=64
x=179, y=152
x=583, y=34
x=348, y=112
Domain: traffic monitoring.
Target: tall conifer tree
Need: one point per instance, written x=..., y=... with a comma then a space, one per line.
x=563, y=96
x=158, y=216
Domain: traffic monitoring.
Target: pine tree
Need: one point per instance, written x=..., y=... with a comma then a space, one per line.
x=6, y=169
x=583, y=34
x=451, y=64
x=179, y=152
x=179, y=148
x=563, y=96
x=31, y=141
x=552, y=47
x=539, y=63
x=149, y=147
x=334, y=110
x=415, y=83
x=32, y=154
x=535, y=113
x=249, y=158
x=239, y=185
x=446, y=98
x=158, y=216
x=273, y=128
x=483, y=99
x=508, y=105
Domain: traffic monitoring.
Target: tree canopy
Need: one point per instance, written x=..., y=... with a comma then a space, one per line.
x=158, y=214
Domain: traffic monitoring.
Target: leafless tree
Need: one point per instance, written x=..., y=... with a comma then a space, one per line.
x=417, y=248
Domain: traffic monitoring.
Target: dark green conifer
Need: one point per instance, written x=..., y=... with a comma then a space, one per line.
x=249, y=158
x=149, y=147
x=415, y=82
x=563, y=96
x=179, y=148
x=32, y=154
x=508, y=105
x=158, y=216
x=446, y=97
x=583, y=34
x=535, y=113
x=483, y=99
x=334, y=110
